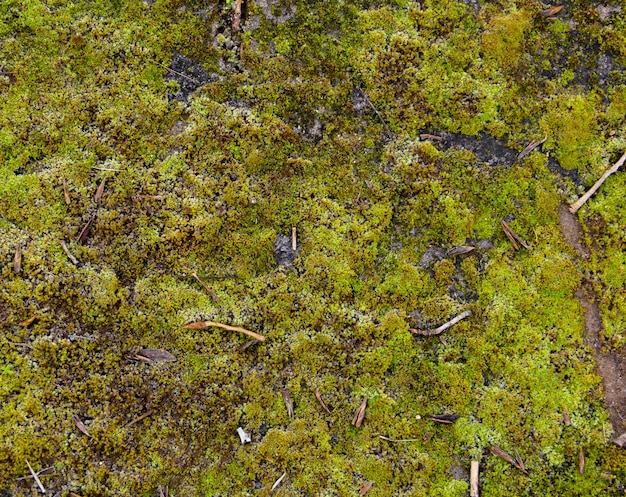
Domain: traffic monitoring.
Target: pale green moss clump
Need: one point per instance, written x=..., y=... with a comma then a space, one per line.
x=310, y=117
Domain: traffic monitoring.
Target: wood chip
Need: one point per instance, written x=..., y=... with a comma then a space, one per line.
x=498, y=452
x=581, y=462
x=288, y=402
x=566, y=419
x=151, y=356
x=67, y=252
x=237, y=16
x=443, y=327
x=82, y=237
x=200, y=325
x=17, y=260
x=29, y=321
x=359, y=415
x=318, y=395
x=136, y=420
x=530, y=147
x=66, y=193
x=81, y=426
x=100, y=190
x=294, y=239
x=474, y=468
x=513, y=237
x=206, y=287
x=447, y=419
x=278, y=482
x=459, y=250
x=552, y=11
x=41, y=487
x=366, y=488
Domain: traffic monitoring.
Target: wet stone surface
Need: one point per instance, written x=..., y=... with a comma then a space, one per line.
x=284, y=254
x=189, y=74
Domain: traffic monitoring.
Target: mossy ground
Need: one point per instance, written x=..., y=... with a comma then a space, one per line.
x=281, y=136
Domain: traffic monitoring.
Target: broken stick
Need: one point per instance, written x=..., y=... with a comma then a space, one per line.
x=443, y=327
x=579, y=203
x=200, y=325
x=39, y=484
x=474, y=479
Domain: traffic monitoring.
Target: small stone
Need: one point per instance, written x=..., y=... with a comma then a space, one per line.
x=284, y=254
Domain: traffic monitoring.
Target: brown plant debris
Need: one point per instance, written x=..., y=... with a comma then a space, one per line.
x=621, y=440
x=248, y=344
x=513, y=237
x=152, y=356
x=17, y=260
x=566, y=419
x=581, y=462
x=100, y=190
x=474, y=467
x=39, y=484
x=447, y=419
x=206, y=287
x=66, y=192
x=428, y=136
x=519, y=461
x=237, y=17
x=498, y=452
x=366, y=488
x=359, y=415
x=460, y=250
x=530, y=147
x=84, y=233
x=45, y=471
x=200, y=325
x=369, y=102
x=552, y=11
x=136, y=420
x=29, y=321
x=294, y=239
x=318, y=395
x=163, y=491
x=288, y=402
x=151, y=197
x=443, y=327
x=81, y=426
x=67, y=252
x=579, y=203
x=398, y=440
x=278, y=482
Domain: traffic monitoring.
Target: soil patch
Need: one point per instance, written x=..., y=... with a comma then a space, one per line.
x=611, y=367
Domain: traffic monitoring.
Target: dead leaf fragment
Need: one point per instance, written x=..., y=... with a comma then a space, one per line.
x=566, y=419
x=100, y=190
x=444, y=418
x=66, y=193
x=530, y=147
x=513, y=237
x=17, y=259
x=581, y=462
x=200, y=325
x=359, y=415
x=81, y=426
x=552, y=11
x=84, y=233
x=288, y=402
x=366, y=488
x=154, y=355
x=498, y=452
x=29, y=321
x=459, y=250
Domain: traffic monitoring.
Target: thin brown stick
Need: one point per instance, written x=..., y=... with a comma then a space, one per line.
x=67, y=252
x=581, y=462
x=136, y=420
x=278, y=482
x=513, y=237
x=398, y=440
x=39, y=484
x=200, y=325
x=206, y=287
x=294, y=239
x=359, y=415
x=45, y=471
x=318, y=395
x=531, y=146
x=175, y=72
x=288, y=402
x=579, y=203
x=369, y=102
x=443, y=327
x=66, y=192
x=498, y=452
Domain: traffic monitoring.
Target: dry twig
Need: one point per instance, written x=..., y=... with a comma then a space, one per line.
x=206, y=287
x=579, y=203
x=288, y=402
x=45, y=471
x=67, y=252
x=369, y=102
x=66, y=192
x=200, y=325
x=443, y=327
x=498, y=452
x=39, y=484
x=366, y=488
x=294, y=239
x=136, y=420
x=513, y=237
x=474, y=479
x=278, y=482
x=530, y=147
x=446, y=419
x=581, y=462
x=318, y=395
x=17, y=260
